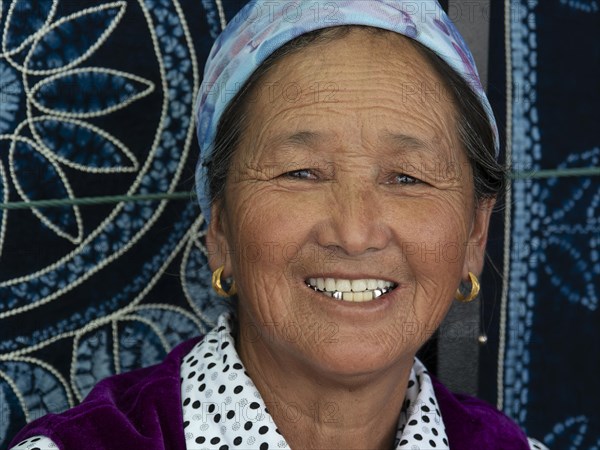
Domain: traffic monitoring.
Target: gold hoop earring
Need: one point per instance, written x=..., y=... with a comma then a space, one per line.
x=474, y=290
x=216, y=284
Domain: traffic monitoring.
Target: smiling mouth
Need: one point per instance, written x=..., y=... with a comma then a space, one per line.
x=363, y=290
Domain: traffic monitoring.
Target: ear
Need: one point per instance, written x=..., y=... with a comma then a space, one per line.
x=475, y=255
x=217, y=244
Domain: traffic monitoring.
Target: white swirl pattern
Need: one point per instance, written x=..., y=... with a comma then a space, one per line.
x=96, y=99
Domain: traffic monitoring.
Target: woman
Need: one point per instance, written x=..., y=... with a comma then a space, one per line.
x=348, y=186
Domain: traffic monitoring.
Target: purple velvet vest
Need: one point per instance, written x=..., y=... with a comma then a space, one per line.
x=141, y=410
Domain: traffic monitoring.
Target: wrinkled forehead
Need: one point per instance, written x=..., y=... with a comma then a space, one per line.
x=360, y=83
x=264, y=26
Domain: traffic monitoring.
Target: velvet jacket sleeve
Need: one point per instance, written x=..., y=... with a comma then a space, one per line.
x=136, y=410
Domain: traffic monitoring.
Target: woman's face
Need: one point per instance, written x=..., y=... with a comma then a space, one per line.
x=350, y=170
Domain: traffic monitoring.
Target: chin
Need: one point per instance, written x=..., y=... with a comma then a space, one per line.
x=355, y=357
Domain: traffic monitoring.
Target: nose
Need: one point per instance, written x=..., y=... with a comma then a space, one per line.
x=354, y=223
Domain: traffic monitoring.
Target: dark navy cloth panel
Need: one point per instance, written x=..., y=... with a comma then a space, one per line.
x=541, y=365
x=96, y=99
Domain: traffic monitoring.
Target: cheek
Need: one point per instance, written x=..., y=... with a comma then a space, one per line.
x=266, y=240
x=434, y=245
x=263, y=220
x=442, y=235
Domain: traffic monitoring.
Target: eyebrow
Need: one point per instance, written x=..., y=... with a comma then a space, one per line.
x=284, y=143
x=405, y=141
x=310, y=139
x=303, y=138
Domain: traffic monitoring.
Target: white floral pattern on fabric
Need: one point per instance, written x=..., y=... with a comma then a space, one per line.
x=222, y=409
x=534, y=444
x=96, y=99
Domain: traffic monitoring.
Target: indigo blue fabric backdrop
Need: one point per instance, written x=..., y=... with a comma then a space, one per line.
x=542, y=364
x=96, y=99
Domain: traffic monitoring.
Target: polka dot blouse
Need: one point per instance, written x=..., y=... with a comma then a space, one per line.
x=222, y=409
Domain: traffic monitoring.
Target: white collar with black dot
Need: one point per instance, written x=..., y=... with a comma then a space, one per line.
x=222, y=409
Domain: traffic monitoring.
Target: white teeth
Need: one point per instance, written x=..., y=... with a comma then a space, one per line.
x=362, y=290
x=320, y=284
x=343, y=285
x=329, y=284
x=359, y=285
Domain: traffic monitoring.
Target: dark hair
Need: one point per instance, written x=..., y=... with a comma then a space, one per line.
x=474, y=129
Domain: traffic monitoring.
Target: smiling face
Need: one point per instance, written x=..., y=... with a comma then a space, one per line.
x=349, y=177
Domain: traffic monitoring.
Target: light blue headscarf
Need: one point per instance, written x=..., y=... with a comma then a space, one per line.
x=263, y=26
